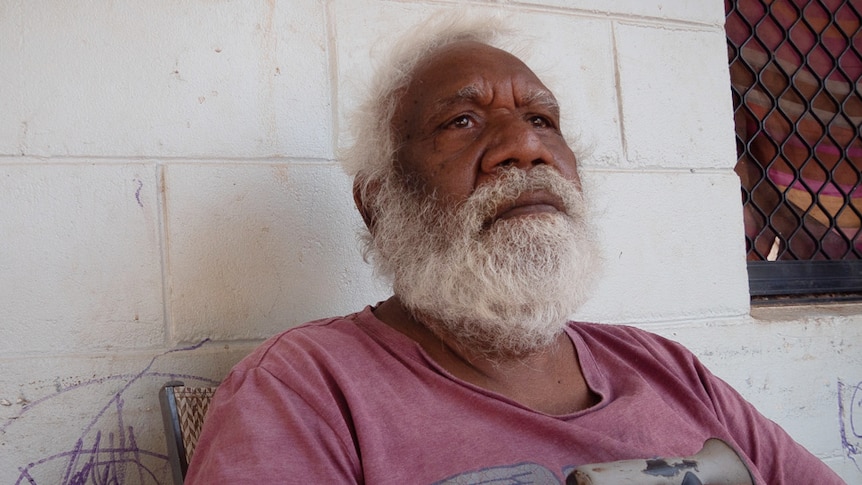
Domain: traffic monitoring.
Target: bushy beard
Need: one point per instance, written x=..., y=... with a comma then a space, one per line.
x=501, y=288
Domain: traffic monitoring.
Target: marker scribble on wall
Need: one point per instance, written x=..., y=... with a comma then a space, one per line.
x=107, y=449
x=850, y=416
x=138, y=191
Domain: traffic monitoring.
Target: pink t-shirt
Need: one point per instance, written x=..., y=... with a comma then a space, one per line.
x=351, y=400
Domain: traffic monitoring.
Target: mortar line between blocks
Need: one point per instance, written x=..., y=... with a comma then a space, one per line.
x=330, y=27
x=164, y=228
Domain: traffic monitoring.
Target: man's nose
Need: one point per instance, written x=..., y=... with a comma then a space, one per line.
x=515, y=143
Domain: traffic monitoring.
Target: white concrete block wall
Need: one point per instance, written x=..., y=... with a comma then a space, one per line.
x=170, y=196
x=265, y=246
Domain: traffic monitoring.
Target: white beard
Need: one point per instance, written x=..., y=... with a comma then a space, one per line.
x=503, y=290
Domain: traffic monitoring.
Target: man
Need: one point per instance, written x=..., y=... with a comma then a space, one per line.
x=470, y=373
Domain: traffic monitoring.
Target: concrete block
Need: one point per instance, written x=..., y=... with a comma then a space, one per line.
x=847, y=469
x=81, y=419
x=10, y=81
x=257, y=248
x=676, y=10
x=570, y=56
x=174, y=79
x=672, y=246
x=81, y=263
x=675, y=97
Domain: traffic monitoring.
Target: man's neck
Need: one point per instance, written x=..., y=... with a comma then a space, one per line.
x=549, y=381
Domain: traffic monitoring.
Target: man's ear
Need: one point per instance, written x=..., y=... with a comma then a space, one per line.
x=364, y=211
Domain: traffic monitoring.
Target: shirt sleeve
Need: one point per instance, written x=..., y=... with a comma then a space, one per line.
x=260, y=430
x=777, y=458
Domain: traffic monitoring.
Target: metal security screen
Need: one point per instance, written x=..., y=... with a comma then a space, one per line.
x=796, y=75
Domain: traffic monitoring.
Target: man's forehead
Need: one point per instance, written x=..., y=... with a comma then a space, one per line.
x=473, y=57
x=473, y=72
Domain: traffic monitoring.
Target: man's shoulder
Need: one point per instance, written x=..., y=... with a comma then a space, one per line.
x=615, y=330
x=630, y=340
x=320, y=359
x=315, y=340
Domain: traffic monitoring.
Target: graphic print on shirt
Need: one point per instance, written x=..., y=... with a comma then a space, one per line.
x=521, y=473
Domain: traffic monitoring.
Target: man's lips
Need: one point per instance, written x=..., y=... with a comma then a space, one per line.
x=528, y=204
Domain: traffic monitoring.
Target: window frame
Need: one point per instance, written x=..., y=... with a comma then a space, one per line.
x=817, y=278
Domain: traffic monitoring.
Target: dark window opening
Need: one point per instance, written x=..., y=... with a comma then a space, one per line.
x=796, y=76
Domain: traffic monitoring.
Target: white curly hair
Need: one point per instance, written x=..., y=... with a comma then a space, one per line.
x=371, y=158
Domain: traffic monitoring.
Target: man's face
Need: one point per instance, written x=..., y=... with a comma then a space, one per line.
x=472, y=110
x=481, y=225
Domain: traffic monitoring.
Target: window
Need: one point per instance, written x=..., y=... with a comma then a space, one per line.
x=796, y=76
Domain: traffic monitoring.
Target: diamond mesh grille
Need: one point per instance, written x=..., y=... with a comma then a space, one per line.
x=796, y=69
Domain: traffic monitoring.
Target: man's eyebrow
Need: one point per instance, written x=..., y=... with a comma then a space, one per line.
x=543, y=98
x=467, y=93
x=473, y=92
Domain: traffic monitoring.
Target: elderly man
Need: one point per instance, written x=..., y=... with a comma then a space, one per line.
x=471, y=373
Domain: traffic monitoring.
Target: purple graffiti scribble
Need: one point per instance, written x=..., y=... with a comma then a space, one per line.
x=113, y=457
x=850, y=420
x=138, y=192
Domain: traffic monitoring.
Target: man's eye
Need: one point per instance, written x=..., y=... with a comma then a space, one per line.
x=462, y=121
x=540, y=122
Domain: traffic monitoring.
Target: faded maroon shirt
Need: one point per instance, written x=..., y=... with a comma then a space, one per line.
x=351, y=400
